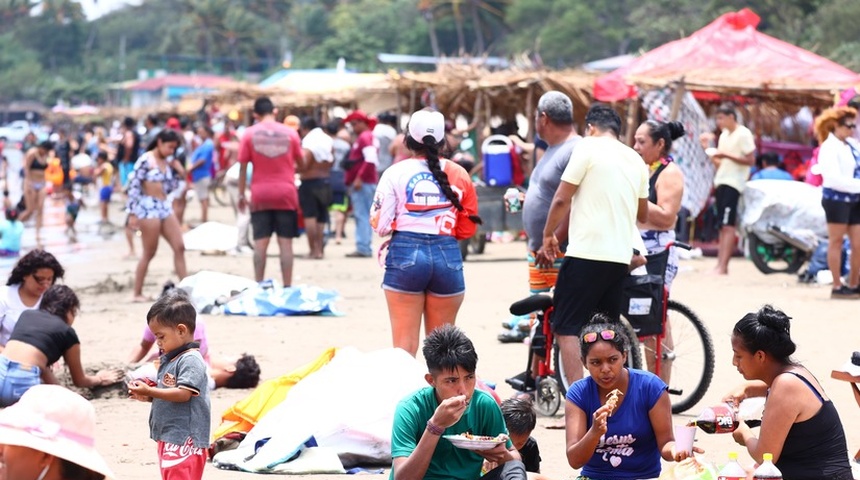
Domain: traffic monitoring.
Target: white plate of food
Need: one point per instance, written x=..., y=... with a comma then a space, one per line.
x=711, y=151
x=475, y=442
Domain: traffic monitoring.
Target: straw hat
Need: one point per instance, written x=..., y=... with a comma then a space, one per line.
x=57, y=421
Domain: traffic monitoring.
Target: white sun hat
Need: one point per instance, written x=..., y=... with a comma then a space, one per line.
x=56, y=421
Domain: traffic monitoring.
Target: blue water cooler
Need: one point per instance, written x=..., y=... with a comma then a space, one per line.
x=498, y=168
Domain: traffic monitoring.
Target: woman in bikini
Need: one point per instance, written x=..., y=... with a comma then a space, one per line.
x=35, y=164
x=150, y=208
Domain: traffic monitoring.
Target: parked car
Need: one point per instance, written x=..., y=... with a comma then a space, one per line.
x=16, y=131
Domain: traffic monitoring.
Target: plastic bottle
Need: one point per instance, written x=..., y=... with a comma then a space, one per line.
x=767, y=470
x=732, y=470
x=721, y=419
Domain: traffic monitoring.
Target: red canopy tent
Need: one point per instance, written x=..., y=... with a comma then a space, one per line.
x=729, y=57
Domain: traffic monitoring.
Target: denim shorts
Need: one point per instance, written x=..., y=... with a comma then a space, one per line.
x=424, y=263
x=15, y=379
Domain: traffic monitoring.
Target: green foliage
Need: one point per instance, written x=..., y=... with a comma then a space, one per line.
x=57, y=53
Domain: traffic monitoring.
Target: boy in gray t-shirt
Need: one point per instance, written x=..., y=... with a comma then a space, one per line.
x=180, y=415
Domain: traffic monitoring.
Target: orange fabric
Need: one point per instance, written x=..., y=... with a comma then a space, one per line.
x=245, y=413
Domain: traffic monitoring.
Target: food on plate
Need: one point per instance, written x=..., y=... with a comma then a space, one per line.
x=483, y=438
x=613, y=400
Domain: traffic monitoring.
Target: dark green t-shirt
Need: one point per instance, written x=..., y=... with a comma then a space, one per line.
x=482, y=417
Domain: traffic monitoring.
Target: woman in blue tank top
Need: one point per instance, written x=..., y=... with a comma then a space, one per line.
x=800, y=426
x=625, y=440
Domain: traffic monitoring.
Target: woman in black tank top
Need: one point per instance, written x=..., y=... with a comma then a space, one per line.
x=800, y=426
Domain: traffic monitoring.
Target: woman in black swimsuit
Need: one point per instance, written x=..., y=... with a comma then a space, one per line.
x=35, y=164
x=800, y=426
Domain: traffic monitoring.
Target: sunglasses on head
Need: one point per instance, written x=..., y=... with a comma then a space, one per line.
x=591, y=337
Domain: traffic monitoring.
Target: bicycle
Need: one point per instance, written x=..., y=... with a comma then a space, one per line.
x=218, y=189
x=686, y=343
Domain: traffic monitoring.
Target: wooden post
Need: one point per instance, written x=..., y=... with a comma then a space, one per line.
x=632, y=117
x=412, y=98
x=678, y=99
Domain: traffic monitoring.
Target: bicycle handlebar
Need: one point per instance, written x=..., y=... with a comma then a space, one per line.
x=678, y=245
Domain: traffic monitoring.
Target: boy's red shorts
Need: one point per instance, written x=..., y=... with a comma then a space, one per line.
x=181, y=462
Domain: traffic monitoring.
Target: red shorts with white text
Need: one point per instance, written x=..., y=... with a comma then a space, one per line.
x=181, y=462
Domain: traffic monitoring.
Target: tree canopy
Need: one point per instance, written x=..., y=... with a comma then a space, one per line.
x=51, y=51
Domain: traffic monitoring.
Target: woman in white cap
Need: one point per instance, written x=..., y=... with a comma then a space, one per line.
x=50, y=435
x=426, y=204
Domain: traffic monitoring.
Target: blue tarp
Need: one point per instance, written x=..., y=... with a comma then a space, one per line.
x=267, y=301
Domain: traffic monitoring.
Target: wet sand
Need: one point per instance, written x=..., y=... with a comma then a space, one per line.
x=110, y=325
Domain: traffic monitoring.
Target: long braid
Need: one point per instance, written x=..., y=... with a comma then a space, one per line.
x=430, y=149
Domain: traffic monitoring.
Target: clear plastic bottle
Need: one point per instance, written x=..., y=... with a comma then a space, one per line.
x=732, y=470
x=767, y=470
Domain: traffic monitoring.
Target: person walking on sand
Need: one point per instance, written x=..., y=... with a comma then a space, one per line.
x=361, y=178
x=734, y=158
x=315, y=192
x=274, y=150
x=150, y=209
x=605, y=188
x=426, y=204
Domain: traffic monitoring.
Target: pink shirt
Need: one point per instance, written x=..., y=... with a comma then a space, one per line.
x=199, y=336
x=274, y=149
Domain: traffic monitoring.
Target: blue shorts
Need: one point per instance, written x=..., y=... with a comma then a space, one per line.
x=424, y=263
x=15, y=379
x=105, y=193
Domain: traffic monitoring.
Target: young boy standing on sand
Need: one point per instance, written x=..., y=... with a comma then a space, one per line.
x=180, y=416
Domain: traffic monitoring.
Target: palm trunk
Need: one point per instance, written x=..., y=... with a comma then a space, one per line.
x=476, y=23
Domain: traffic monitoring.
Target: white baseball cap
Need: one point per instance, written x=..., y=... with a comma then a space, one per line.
x=427, y=122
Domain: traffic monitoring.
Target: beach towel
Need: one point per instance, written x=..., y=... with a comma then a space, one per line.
x=267, y=300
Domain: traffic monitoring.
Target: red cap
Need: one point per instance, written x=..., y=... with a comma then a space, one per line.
x=173, y=123
x=360, y=116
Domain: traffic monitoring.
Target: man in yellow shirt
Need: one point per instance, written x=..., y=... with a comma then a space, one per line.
x=604, y=187
x=735, y=155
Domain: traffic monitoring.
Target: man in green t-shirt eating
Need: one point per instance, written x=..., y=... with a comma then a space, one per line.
x=450, y=406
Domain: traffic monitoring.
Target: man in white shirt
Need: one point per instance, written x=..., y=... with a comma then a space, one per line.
x=315, y=192
x=735, y=155
x=605, y=188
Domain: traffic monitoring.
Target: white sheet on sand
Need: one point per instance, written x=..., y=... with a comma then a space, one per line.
x=211, y=237
x=347, y=405
x=205, y=287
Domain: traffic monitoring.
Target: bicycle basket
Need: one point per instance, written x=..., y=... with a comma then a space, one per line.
x=643, y=296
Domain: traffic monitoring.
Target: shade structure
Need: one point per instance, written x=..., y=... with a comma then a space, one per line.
x=730, y=57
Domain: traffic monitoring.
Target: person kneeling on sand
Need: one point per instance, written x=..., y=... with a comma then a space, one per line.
x=40, y=338
x=450, y=406
x=50, y=435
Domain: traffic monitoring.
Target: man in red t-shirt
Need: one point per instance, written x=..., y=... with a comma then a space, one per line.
x=274, y=149
x=361, y=179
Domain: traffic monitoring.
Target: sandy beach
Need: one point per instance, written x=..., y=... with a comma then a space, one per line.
x=110, y=325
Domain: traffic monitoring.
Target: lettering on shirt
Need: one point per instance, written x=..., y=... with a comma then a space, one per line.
x=174, y=455
x=270, y=143
x=614, y=448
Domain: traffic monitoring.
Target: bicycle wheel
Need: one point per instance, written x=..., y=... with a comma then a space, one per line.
x=690, y=360
x=634, y=356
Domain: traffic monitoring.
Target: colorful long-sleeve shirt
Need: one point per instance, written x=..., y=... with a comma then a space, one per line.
x=409, y=199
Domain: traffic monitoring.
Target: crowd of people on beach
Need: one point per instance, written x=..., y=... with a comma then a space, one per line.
x=593, y=209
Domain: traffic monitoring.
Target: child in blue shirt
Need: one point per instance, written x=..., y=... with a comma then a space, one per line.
x=11, y=231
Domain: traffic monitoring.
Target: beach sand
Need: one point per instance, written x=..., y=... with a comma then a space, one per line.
x=110, y=325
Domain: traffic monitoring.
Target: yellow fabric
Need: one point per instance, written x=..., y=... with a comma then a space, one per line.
x=611, y=179
x=245, y=413
x=738, y=143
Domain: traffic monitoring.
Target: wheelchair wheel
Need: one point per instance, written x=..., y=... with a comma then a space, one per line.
x=548, y=397
x=634, y=356
x=688, y=353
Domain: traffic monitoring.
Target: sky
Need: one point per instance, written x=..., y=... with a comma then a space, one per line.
x=96, y=8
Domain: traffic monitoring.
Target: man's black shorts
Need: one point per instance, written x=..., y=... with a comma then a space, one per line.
x=315, y=196
x=283, y=223
x=583, y=288
x=842, y=213
x=727, y=205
